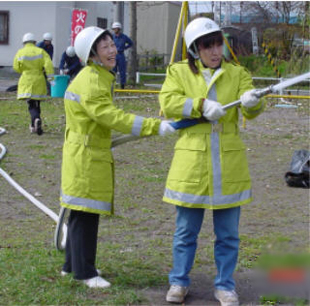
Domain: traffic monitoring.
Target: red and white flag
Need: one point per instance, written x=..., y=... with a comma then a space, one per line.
x=77, y=23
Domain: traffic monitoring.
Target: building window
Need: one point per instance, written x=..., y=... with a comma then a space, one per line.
x=102, y=23
x=4, y=27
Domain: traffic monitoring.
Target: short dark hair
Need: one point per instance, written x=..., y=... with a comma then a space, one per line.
x=215, y=38
x=103, y=36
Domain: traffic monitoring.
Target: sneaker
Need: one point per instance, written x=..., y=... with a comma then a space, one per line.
x=227, y=298
x=37, y=126
x=31, y=129
x=64, y=273
x=96, y=282
x=176, y=294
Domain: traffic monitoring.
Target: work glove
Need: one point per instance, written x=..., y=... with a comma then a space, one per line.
x=212, y=110
x=166, y=128
x=66, y=71
x=61, y=72
x=249, y=99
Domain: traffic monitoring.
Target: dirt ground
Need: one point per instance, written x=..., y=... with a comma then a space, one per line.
x=277, y=209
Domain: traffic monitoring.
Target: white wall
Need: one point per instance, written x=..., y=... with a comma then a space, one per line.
x=62, y=21
x=39, y=17
x=25, y=17
x=156, y=25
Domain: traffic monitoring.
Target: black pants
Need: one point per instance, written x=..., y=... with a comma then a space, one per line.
x=34, y=110
x=81, y=245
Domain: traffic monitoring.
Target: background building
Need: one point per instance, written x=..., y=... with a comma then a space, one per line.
x=46, y=16
x=156, y=23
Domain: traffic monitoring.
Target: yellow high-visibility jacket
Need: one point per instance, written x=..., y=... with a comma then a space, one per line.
x=87, y=165
x=209, y=168
x=31, y=62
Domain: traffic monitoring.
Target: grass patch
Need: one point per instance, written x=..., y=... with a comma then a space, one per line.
x=44, y=156
x=277, y=299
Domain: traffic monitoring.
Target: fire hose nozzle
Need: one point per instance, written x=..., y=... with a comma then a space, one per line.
x=263, y=92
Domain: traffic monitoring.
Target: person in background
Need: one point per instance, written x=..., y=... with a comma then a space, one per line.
x=46, y=44
x=31, y=62
x=87, y=181
x=122, y=42
x=70, y=64
x=209, y=169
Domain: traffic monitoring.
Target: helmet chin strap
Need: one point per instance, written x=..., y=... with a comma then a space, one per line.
x=195, y=54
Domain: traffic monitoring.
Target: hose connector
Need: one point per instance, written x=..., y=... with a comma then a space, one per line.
x=263, y=92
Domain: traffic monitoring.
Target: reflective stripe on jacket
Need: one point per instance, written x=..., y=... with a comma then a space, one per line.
x=87, y=166
x=209, y=168
x=31, y=62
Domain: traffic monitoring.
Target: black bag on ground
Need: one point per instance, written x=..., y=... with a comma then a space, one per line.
x=298, y=176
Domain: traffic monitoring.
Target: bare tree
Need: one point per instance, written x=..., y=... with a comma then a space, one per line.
x=273, y=20
x=133, y=63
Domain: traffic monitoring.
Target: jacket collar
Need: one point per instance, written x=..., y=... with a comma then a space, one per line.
x=101, y=69
x=215, y=73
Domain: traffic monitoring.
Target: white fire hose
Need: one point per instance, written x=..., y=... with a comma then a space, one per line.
x=61, y=228
x=27, y=195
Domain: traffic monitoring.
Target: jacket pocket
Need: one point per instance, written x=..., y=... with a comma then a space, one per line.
x=100, y=173
x=73, y=174
x=188, y=160
x=234, y=160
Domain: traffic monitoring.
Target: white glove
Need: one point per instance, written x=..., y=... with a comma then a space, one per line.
x=212, y=110
x=61, y=72
x=66, y=71
x=166, y=128
x=249, y=99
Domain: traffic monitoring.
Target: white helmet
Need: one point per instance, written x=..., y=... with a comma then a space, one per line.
x=197, y=28
x=85, y=40
x=116, y=25
x=28, y=37
x=70, y=51
x=47, y=36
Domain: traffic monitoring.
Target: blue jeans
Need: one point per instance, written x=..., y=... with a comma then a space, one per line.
x=226, y=246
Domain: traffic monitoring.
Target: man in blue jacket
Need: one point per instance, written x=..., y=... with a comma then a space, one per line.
x=70, y=64
x=122, y=42
x=46, y=44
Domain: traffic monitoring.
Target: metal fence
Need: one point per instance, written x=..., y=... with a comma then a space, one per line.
x=265, y=81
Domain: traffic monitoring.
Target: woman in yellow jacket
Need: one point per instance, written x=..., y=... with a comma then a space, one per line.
x=209, y=169
x=87, y=166
x=32, y=62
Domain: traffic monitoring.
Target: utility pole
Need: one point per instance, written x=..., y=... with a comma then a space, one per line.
x=220, y=23
x=133, y=63
x=227, y=18
x=217, y=12
x=118, y=12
